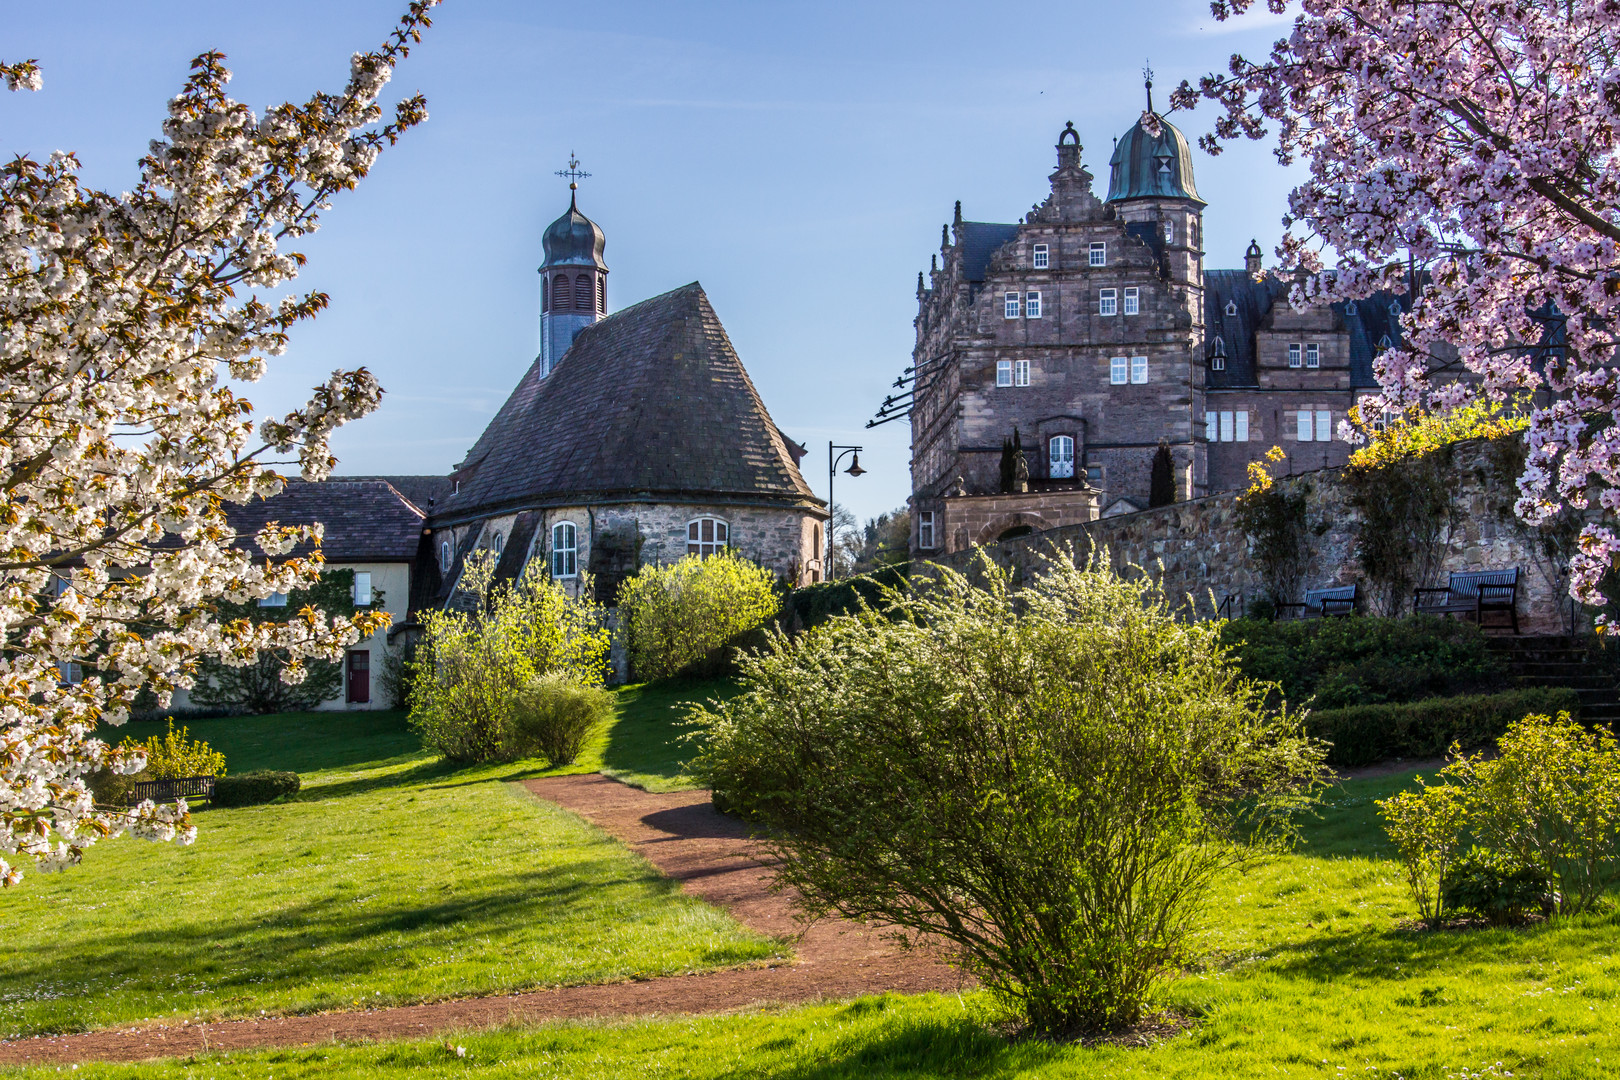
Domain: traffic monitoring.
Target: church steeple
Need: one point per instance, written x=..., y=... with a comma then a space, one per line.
x=573, y=277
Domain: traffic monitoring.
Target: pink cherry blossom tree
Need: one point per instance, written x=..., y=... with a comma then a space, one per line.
x=1474, y=140
x=124, y=318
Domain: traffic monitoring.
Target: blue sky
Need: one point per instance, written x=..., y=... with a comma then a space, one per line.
x=796, y=158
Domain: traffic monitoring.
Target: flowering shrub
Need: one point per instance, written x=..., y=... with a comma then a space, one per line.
x=127, y=324
x=469, y=665
x=678, y=614
x=174, y=756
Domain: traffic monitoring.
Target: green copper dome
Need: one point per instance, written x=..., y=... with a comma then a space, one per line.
x=1147, y=166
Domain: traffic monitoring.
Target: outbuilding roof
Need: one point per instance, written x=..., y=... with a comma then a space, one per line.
x=649, y=402
x=366, y=520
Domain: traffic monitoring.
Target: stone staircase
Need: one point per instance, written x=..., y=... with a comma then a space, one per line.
x=1565, y=661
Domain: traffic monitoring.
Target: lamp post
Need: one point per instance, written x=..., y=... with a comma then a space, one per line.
x=835, y=454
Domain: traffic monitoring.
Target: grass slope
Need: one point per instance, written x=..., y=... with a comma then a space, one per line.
x=1309, y=973
x=391, y=878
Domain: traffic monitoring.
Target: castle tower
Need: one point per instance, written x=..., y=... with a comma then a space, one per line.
x=573, y=281
x=1151, y=180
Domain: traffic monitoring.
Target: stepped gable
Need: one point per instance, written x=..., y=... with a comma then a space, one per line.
x=651, y=401
x=366, y=520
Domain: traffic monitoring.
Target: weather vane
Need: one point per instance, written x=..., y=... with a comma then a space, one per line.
x=572, y=172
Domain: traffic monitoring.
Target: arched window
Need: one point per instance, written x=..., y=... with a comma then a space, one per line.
x=1060, y=457
x=497, y=543
x=564, y=550
x=444, y=556
x=545, y=295
x=562, y=296
x=707, y=536
x=583, y=293
x=601, y=295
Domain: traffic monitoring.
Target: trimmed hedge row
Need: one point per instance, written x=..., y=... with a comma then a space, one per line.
x=1364, y=734
x=249, y=788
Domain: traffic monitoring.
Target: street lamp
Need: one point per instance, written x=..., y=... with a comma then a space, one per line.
x=835, y=454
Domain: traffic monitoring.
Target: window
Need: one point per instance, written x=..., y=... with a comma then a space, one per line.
x=1042, y=261
x=1009, y=307
x=1315, y=426
x=1108, y=301
x=925, y=527
x=1306, y=425
x=1211, y=430
x=1133, y=302
x=562, y=293
x=1385, y=343
x=564, y=550
x=1226, y=427
x=1099, y=254
x=1119, y=370
x=275, y=599
x=1217, y=359
x=362, y=588
x=69, y=673
x=1060, y=457
x=1003, y=372
x=707, y=536
x=497, y=543
x=1169, y=232
x=1313, y=355
x=1324, y=425
x=1020, y=372
x=1242, y=432
x=444, y=556
x=1138, y=369
x=1293, y=355
x=1032, y=304
x=1231, y=308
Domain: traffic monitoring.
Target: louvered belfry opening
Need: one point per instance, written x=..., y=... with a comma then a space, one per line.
x=562, y=293
x=584, y=295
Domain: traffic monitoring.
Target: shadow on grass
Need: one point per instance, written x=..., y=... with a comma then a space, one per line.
x=647, y=736
x=419, y=773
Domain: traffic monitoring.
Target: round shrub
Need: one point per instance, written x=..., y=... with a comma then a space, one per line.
x=682, y=617
x=250, y=788
x=1495, y=887
x=552, y=717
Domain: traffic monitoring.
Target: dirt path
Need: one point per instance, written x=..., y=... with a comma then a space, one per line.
x=681, y=835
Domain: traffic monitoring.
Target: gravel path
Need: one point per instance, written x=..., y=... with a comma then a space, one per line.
x=680, y=834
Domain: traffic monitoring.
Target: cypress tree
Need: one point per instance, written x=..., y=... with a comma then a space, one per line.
x=1162, y=482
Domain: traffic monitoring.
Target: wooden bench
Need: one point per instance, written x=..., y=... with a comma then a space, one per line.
x=165, y=791
x=1472, y=594
x=1319, y=603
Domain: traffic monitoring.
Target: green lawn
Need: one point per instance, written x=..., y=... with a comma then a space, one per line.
x=391, y=878
x=1308, y=973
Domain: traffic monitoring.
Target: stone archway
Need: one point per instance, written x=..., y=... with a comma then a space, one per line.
x=1020, y=523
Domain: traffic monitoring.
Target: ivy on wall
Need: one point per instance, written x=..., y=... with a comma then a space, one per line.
x=1274, y=518
x=1406, y=509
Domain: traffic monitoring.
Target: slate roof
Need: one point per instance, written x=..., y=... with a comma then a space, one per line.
x=650, y=401
x=366, y=520
x=423, y=492
x=979, y=240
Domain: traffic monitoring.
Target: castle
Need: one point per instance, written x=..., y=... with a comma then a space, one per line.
x=1091, y=333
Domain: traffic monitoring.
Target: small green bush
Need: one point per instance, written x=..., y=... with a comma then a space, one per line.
x=174, y=756
x=1419, y=729
x=1495, y=887
x=682, y=617
x=109, y=788
x=553, y=716
x=1366, y=660
x=251, y=788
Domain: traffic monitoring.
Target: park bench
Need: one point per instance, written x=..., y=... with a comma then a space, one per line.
x=1340, y=600
x=1472, y=594
x=180, y=787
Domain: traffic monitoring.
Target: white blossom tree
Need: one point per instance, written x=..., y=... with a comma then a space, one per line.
x=1474, y=140
x=124, y=320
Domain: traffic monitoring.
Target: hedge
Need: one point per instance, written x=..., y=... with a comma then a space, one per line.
x=246, y=789
x=812, y=605
x=1364, y=734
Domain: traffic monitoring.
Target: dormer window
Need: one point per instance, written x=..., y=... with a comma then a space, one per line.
x=497, y=543
x=564, y=550
x=1385, y=343
x=1395, y=309
x=1041, y=258
x=1164, y=165
x=444, y=556
x=1217, y=360
x=1231, y=309
x=1099, y=254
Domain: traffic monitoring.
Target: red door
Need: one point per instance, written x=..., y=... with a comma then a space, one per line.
x=359, y=677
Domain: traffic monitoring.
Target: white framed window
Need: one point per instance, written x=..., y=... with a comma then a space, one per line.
x=1020, y=372
x=1108, y=301
x=69, y=673
x=707, y=536
x=564, y=550
x=1242, y=432
x=1009, y=306
x=1119, y=370
x=1032, y=304
x=1133, y=300
x=1226, y=427
x=445, y=556
x=362, y=588
x=1169, y=232
x=1307, y=425
x=275, y=599
x=1211, y=426
x=1003, y=372
x=1138, y=369
x=497, y=543
x=1099, y=253
x=1217, y=360
x=1324, y=425
x=925, y=529
x=1313, y=355
x=1041, y=260
x=1060, y=457
x=1293, y=355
